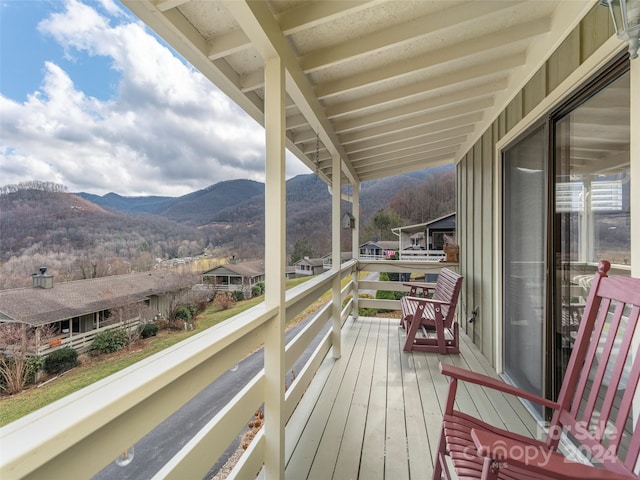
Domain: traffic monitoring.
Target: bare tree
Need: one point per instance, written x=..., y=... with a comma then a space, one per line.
x=17, y=343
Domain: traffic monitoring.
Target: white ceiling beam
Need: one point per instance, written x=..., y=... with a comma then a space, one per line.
x=566, y=16
x=403, y=157
x=422, y=62
x=307, y=15
x=296, y=121
x=400, y=34
x=227, y=44
x=442, y=136
x=463, y=95
x=258, y=23
x=165, y=5
x=176, y=30
x=311, y=14
x=415, y=121
x=452, y=126
x=416, y=147
x=468, y=74
x=403, y=167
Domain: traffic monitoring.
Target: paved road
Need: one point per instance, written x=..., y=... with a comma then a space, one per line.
x=153, y=451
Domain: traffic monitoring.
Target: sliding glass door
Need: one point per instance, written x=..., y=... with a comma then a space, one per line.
x=566, y=205
x=525, y=227
x=592, y=207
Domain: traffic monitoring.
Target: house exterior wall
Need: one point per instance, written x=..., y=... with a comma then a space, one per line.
x=478, y=173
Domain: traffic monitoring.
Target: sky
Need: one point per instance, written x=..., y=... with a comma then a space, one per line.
x=91, y=99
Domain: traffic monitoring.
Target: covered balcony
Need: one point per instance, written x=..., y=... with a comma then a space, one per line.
x=357, y=91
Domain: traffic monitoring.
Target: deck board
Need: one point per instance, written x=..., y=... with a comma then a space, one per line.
x=378, y=413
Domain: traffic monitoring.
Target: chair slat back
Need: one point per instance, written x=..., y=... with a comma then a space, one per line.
x=600, y=403
x=447, y=289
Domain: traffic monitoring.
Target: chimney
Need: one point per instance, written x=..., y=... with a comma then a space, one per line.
x=42, y=280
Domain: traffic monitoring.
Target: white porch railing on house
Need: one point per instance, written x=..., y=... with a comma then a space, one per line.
x=81, y=341
x=411, y=256
x=422, y=255
x=82, y=433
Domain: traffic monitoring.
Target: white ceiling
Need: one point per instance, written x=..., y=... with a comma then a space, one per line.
x=390, y=86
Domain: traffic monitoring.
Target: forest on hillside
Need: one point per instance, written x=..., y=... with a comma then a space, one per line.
x=43, y=225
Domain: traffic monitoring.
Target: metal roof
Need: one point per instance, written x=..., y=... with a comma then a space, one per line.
x=389, y=86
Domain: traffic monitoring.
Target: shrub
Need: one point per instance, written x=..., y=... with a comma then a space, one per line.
x=238, y=295
x=258, y=289
x=149, y=330
x=183, y=313
x=35, y=363
x=110, y=341
x=366, y=312
x=60, y=361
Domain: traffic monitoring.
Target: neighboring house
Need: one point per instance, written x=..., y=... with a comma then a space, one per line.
x=327, y=260
x=75, y=311
x=309, y=266
x=236, y=277
x=378, y=249
x=426, y=239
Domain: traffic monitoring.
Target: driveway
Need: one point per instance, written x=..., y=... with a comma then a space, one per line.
x=161, y=444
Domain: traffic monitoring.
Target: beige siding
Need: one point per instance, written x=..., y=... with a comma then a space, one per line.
x=477, y=213
x=477, y=228
x=534, y=91
x=484, y=329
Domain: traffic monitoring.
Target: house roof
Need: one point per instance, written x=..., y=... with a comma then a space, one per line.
x=383, y=244
x=312, y=262
x=446, y=221
x=344, y=256
x=40, y=306
x=253, y=268
x=387, y=86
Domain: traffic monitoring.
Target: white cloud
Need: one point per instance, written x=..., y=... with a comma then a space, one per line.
x=166, y=131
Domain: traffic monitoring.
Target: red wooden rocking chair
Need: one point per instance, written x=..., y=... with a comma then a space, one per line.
x=594, y=408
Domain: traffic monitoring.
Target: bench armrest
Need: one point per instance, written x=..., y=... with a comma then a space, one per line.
x=493, y=383
x=424, y=286
x=427, y=300
x=537, y=459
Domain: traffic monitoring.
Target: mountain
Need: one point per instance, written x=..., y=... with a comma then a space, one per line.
x=196, y=208
x=86, y=235
x=243, y=200
x=204, y=206
x=113, y=201
x=36, y=222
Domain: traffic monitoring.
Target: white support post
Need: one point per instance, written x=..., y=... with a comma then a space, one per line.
x=355, y=243
x=634, y=123
x=336, y=307
x=634, y=172
x=275, y=241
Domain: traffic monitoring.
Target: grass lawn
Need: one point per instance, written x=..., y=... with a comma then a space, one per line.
x=16, y=406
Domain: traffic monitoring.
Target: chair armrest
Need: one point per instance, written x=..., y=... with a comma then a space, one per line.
x=493, y=383
x=424, y=286
x=537, y=459
x=427, y=300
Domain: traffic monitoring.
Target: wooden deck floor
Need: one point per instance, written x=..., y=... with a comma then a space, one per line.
x=376, y=412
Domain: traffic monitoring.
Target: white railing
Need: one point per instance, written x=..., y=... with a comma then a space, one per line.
x=82, y=433
x=422, y=255
x=82, y=341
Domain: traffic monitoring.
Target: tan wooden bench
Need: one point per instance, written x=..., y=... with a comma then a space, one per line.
x=433, y=316
x=595, y=408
